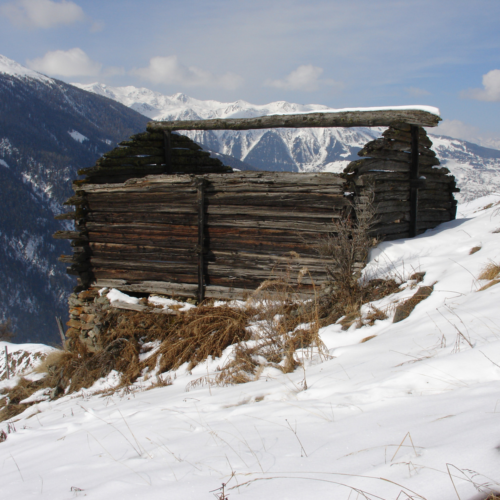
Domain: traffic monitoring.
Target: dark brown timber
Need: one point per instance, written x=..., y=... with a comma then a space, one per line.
x=201, y=238
x=414, y=177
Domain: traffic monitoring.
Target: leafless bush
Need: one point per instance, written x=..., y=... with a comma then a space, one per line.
x=6, y=332
x=348, y=246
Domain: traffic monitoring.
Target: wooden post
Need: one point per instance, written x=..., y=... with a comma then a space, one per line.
x=7, y=362
x=201, y=237
x=61, y=329
x=167, y=144
x=414, y=178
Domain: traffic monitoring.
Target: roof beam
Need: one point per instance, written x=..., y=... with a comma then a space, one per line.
x=358, y=118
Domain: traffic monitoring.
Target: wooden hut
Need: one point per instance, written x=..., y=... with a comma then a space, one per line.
x=159, y=215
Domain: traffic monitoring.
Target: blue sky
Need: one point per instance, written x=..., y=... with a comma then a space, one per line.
x=340, y=53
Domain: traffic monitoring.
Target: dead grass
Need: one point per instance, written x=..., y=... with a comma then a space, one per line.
x=271, y=330
x=50, y=363
x=374, y=315
x=473, y=250
x=366, y=339
x=199, y=333
x=24, y=389
x=490, y=271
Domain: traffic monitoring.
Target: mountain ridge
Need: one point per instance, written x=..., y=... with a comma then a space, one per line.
x=477, y=168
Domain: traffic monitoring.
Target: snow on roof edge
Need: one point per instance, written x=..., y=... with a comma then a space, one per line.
x=413, y=107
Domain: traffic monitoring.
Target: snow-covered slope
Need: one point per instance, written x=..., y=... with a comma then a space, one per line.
x=12, y=68
x=399, y=410
x=476, y=168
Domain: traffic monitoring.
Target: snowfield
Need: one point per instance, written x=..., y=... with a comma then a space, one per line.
x=412, y=412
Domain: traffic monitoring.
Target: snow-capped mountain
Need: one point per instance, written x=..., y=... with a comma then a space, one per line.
x=48, y=130
x=476, y=168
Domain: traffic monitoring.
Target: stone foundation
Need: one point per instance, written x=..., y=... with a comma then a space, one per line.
x=89, y=318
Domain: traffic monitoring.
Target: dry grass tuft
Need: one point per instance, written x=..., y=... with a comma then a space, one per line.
x=24, y=389
x=473, y=250
x=199, y=333
x=374, y=315
x=50, y=363
x=490, y=271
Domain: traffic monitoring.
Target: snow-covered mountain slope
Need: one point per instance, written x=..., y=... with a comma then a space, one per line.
x=397, y=410
x=48, y=130
x=476, y=168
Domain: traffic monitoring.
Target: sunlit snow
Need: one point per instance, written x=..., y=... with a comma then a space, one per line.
x=412, y=412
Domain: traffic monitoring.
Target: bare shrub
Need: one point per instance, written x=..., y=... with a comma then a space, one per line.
x=6, y=333
x=348, y=246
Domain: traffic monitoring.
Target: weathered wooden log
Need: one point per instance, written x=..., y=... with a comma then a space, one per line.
x=124, y=152
x=66, y=216
x=131, y=152
x=186, y=290
x=316, y=200
x=393, y=145
x=138, y=144
x=361, y=118
x=240, y=210
x=75, y=200
x=70, y=235
x=319, y=225
x=240, y=278
x=228, y=179
x=249, y=244
x=402, y=136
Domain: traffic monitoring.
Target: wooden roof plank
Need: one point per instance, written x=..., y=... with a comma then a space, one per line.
x=357, y=118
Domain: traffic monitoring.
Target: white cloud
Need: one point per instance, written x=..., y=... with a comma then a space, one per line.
x=168, y=70
x=305, y=77
x=416, y=92
x=460, y=130
x=491, y=90
x=42, y=13
x=73, y=62
x=456, y=129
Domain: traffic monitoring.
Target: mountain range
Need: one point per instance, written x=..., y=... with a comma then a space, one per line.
x=476, y=168
x=50, y=129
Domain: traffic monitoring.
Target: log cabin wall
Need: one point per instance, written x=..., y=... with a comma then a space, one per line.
x=160, y=215
x=144, y=235
x=408, y=198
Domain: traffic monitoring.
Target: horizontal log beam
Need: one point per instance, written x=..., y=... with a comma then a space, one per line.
x=361, y=118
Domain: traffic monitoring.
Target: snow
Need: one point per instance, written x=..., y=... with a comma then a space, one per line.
x=182, y=107
x=414, y=107
x=4, y=164
x=12, y=68
x=22, y=360
x=77, y=136
x=411, y=412
x=169, y=304
x=117, y=296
